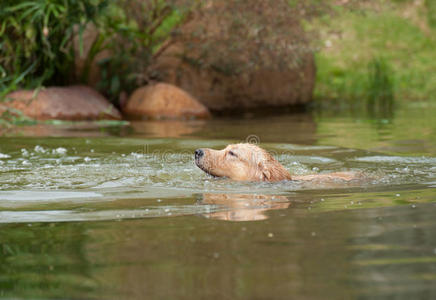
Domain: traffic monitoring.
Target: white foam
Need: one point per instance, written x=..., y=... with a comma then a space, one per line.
x=59, y=150
x=4, y=156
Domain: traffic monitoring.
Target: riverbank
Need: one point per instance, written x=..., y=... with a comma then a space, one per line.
x=358, y=42
x=370, y=56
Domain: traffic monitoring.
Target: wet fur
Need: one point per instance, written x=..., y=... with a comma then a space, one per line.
x=248, y=162
x=242, y=162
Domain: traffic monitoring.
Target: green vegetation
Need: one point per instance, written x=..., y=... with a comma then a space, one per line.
x=133, y=35
x=375, y=51
x=13, y=117
x=431, y=12
x=369, y=54
x=380, y=89
x=37, y=40
x=42, y=41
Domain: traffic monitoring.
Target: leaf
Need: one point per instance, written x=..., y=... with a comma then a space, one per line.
x=20, y=6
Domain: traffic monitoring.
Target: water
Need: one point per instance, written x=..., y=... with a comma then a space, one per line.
x=122, y=212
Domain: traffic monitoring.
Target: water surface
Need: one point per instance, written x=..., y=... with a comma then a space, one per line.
x=122, y=212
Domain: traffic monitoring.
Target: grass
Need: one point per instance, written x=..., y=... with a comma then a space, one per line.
x=371, y=55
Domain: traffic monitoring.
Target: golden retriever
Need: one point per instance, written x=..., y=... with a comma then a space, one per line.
x=248, y=162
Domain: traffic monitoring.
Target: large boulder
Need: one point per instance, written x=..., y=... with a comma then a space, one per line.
x=259, y=57
x=63, y=103
x=164, y=101
x=258, y=89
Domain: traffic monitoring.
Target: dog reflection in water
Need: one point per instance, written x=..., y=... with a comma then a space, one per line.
x=243, y=207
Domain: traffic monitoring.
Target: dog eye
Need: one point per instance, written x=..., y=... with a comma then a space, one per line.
x=232, y=153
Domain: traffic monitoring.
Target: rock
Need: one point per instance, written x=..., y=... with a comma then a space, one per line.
x=164, y=101
x=259, y=89
x=230, y=67
x=62, y=103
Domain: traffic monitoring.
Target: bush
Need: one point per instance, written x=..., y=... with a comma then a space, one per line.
x=36, y=45
x=41, y=39
x=135, y=33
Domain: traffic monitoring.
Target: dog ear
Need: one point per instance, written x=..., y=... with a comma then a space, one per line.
x=265, y=173
x=271, y=170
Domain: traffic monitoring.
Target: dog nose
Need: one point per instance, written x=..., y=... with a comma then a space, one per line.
x=199, y=153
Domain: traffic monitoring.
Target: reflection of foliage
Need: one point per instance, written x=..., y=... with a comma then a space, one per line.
x=380, y=88
x=368, y=200
x=43, y=260
x=357, y=132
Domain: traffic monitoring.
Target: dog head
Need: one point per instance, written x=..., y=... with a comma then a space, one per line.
x=246, y=162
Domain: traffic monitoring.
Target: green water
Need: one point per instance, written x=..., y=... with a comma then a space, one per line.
x=122, y=212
